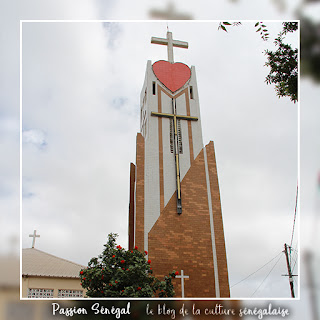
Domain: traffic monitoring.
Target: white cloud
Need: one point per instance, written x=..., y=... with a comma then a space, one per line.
x=35, y=137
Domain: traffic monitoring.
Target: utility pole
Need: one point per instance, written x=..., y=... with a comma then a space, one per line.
x=289, y=270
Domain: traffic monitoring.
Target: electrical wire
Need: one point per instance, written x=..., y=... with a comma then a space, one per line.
x=266, y=276
x=294, y=258
x=295, y=262
x=294, y=219
x=295, y=281
x=256, y=270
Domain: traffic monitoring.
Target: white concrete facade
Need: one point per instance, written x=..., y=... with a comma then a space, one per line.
x=149, y=128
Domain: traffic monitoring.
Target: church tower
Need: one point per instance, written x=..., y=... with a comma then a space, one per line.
x=175, y=211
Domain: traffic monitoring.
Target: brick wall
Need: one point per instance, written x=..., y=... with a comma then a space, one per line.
x=218, y=222
x=139, y=203
x=183, y=242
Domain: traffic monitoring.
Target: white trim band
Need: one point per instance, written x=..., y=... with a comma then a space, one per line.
x=214, y=252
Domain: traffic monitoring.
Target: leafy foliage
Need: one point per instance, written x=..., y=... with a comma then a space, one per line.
x=283, y=62
x=123, y=273
x=263, y=31
x=283, y=65
x=222, y=25
x=261, y=28
x=289, y=27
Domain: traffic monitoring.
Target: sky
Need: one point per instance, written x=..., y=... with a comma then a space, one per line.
x=80, y=116
x=81, y=84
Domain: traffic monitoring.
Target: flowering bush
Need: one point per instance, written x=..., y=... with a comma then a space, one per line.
x=123, y=273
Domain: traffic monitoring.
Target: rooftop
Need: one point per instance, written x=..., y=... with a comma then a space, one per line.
x=38, y=263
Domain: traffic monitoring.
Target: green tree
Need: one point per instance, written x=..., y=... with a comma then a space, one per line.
x=123, y=273
x=283, y=62
x=283, y=65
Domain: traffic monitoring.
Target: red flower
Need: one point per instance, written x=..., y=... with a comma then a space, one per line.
x=135, y=248
x=101, y=291
x=122, y=261
x=84, y=278
x=119, y=247
x=81, y=272
x=146, y=252
x=102, y=277
x=131, y=251
x=123, y=268
x=139, y=288
x=149, y=261
x=113, y=256
x=122, y=290
x=176, y=273
x=116, y=281
x=110, y=284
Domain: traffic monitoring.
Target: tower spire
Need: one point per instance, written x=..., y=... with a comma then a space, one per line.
x=174, y=168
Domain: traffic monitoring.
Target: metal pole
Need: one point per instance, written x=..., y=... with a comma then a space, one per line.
x=289, y=270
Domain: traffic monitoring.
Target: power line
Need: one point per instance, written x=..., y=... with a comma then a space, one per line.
x=295, y=262
x=256, y=270
x=295, y=214
x=266, y=276
x=295, y=257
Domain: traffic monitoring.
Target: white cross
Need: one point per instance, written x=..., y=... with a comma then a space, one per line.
x=34, y=236
x=170, y=43
x=182, y=276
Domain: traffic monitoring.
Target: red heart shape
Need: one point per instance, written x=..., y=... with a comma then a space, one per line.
x=172, y=75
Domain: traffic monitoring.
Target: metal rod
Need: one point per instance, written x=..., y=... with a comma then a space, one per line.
x=289, y=270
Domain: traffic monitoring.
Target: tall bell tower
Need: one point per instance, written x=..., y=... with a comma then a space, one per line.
x=175, y=211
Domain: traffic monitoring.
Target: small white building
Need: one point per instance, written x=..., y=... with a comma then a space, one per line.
x=47, y=276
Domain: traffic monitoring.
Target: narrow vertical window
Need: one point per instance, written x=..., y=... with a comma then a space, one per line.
x=145, y=97
x=171, y=136
x=180, y=150
x=153, y=87
x=179, y=137
x=191, y=92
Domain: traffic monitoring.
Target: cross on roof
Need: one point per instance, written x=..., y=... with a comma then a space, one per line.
x=34, y=236
x=182, y=277
x=170, y=43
